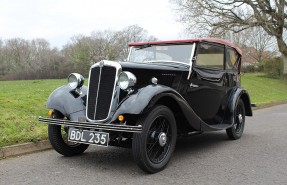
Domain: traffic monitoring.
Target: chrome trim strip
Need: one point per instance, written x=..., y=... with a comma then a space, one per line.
x=191, y=58
x=87, y=125
x=99, y=82
x=115, y=92
x=167, y=61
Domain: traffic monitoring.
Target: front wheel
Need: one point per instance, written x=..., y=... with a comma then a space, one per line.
x=153, y=148
x=58, y=136
x=236, y=131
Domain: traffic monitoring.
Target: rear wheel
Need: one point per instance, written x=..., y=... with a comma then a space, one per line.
x=58, y=136
x=236, y=131
x=153, y=148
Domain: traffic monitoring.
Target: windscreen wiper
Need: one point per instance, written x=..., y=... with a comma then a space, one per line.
x=143, y=46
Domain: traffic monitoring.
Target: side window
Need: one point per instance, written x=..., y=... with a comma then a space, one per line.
x=209, y=55
x=231, y=58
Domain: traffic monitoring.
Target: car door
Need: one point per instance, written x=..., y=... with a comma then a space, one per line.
x=206, y=93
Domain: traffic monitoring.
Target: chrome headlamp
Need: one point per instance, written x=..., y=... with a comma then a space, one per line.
x=75, y=81
x=126, y=80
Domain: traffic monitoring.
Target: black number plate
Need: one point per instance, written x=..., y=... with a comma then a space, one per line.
x=88, y=137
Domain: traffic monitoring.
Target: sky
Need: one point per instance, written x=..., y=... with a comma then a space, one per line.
x=58, y=20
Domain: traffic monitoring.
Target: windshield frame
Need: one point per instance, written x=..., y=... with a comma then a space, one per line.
x=189, y=63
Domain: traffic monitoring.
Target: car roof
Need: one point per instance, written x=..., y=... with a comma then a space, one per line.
x=214, y=40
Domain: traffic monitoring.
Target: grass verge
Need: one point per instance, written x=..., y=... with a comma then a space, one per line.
x=264, y=90
x=23, y=101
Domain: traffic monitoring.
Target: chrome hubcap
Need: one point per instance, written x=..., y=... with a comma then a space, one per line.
x=162, y=139
x=240, y=118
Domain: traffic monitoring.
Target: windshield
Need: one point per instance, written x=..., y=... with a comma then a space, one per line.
x=161, y=53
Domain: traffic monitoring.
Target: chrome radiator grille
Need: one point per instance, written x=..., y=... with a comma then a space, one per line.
x=102, y=81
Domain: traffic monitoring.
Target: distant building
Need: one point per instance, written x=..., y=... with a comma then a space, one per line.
x=253, y=57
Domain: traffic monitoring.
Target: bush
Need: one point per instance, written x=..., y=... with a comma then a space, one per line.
x=252, y=68
x=274, y=67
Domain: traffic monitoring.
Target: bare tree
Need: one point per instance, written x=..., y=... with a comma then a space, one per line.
x=17, y=54
x=263, y=44
x=108, y=44
x=219, y=16
x=25, y=59
x=133, y=33
x=2, y=61
x=255, y=43
x=31, y=59
x=47, y=62
x=78, y=51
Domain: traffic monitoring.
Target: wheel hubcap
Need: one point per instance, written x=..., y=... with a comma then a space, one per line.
x=240, y=118
x=162, y=139
x=238, y=125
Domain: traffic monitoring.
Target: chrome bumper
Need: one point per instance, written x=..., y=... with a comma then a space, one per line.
x=92, y=125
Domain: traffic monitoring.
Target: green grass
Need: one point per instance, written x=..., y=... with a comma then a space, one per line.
x=264, y=90
x=23, y=101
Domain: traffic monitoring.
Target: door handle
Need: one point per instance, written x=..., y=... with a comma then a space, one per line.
x=193, y=85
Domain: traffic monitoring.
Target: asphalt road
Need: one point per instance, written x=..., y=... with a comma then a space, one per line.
x=259, y=157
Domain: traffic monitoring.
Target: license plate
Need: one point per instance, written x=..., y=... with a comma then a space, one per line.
x=88, y=137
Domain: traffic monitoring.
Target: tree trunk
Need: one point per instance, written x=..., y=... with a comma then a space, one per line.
x=283, y=49
x=285, y=66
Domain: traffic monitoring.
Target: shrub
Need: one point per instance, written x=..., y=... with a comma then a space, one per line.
x=252, y=68
x=274, y=67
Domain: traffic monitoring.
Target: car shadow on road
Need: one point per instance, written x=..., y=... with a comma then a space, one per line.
x=201, y=141
x=115, y=159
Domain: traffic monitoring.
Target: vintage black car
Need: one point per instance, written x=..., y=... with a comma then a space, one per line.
x=165, y=89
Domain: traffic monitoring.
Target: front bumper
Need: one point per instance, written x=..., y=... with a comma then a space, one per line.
x=92, y=125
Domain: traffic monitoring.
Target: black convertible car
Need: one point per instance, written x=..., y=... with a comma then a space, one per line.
x=163, y=90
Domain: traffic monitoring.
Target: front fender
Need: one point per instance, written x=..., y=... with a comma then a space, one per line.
x=136, y=103
x=145, y=98
x=63, y=100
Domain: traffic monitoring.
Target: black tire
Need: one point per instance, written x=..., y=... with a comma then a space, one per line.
x=59, y=139
x=236, y=131
x=159, y=136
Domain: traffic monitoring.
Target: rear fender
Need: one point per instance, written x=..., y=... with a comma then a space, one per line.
x=71, y=105
x=239, y=93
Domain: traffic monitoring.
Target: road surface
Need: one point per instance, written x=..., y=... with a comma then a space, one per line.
x=259, y=157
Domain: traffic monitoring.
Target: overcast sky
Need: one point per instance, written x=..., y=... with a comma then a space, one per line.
x=58, y=20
